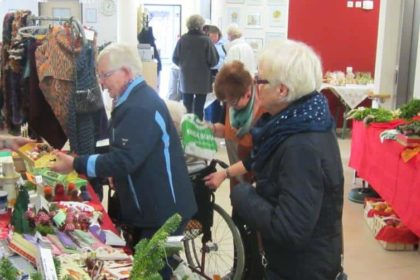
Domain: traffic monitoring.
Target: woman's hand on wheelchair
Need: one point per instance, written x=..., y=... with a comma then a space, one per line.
x=214, y=180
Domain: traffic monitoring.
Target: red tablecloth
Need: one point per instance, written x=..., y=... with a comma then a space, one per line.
x=381, y=165
x=106, y=220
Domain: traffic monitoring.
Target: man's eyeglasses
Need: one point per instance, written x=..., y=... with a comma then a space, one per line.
x=107, y=74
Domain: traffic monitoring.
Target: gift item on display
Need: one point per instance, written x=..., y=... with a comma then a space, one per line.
x=3, y=202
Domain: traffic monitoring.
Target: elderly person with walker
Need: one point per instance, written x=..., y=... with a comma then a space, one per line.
x=145, y=159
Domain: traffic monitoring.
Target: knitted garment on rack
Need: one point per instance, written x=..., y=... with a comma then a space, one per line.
x=13, y=64
x=41, y=118
x=55, y=66
x=84, y=124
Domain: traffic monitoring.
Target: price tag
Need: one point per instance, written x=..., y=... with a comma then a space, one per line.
x=89, y=34
x=38, y=179
x=59, y=218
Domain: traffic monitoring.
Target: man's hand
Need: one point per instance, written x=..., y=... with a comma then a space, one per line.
x=63, y=163
x=214, y=180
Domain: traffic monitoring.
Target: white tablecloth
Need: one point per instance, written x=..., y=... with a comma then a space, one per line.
x=352, y=95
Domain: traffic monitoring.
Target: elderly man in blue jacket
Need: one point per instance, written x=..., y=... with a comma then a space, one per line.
x=145, y=158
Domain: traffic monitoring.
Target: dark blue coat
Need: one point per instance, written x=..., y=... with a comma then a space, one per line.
x=297, y=207
x=146, y=161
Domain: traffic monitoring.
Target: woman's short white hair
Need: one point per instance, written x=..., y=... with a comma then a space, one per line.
x=293, y=64
x=177, y=110
x=233, y=31
x=123, y=55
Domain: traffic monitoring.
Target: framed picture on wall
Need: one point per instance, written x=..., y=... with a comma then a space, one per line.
x=278, y=16
x=255, y=43
x=61, y=13
x=233, y=15
x=253, y=20
x=278, y=2
x=91, y=15
x=273, y=36
x=254, y=2
x=235, y=1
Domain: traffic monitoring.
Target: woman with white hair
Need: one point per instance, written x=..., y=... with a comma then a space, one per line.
x=195, y=54
x=298, y=200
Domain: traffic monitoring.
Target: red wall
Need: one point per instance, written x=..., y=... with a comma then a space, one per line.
x=341, y=36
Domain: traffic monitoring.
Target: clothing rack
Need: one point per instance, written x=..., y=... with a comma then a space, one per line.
x=74, y=22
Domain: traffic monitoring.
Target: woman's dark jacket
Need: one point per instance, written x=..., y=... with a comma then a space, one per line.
x=297, y=207
x=195, y=54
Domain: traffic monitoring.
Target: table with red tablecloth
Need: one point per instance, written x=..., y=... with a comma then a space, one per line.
x=380, y=164
x=106, y=220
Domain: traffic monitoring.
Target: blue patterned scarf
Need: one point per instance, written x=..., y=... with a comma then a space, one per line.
x=307, y=114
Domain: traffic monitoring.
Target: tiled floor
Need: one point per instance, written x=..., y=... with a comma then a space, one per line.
x=364, y=257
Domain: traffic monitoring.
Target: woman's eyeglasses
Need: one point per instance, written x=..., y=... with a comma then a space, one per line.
x=259, y=81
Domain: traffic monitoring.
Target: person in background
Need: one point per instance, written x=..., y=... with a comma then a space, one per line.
x=239, y=49
x=234, y=86
x=13, y=142
x=145, y=159
x=297, y=203
x=214, y=111
x=195, y=55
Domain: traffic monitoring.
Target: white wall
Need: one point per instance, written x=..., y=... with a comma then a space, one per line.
x=10, y=5
x=416, y=93
x=106, y=26
x=387, y=52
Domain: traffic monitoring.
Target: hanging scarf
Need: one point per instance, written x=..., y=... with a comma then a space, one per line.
x=241, y=119
x=307, y=114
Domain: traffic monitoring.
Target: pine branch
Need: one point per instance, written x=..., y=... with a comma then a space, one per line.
x=150, y=255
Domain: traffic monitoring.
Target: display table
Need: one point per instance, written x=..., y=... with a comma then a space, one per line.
x=95, y=202
x=350, y=96
x=381, y=165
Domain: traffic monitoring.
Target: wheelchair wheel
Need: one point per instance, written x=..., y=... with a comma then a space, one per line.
x=223, y=255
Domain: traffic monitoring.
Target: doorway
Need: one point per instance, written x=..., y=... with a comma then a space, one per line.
x=166, y=23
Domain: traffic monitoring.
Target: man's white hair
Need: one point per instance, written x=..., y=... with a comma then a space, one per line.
x=293, y=64
x=123, y=55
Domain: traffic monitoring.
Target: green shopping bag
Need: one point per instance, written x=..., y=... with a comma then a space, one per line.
x=197, y=138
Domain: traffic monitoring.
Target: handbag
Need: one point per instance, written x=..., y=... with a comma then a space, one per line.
x=88, y=95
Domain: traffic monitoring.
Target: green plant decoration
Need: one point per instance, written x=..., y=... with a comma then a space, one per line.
x=410, y=109
x=150, y=256
x=7, y=270
x=368, y=115
x=36, y=276
x=19, y=222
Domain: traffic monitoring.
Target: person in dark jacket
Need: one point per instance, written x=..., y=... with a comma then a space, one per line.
x=145, y=159
x=195, y=54
x=297, y=203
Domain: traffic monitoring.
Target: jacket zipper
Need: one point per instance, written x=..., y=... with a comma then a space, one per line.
x=136, y=200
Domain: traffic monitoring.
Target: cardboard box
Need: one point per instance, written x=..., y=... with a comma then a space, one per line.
x=42, y=161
